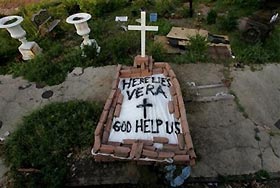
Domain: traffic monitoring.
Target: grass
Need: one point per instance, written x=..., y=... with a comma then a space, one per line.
x=117, y=46
x=239, y=105
x=46, y=137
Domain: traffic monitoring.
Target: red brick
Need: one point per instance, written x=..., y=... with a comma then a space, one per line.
x=103, y=116
x=160, y=64
x=138, y=60
x=112, y=94
x=177, y=112
x=171, y=73
x=157, y=71
x=111, y=113
x=192, y=162
x=98, y=129
x=181, y=141
x=158, y=139
x=119, y=67
x=152, y=148
x=133, y=150
x=118, y=110
x=129, y=141
x=164, y=155
x=175, y=100
x=188, y=140
x=135, y=70
x=114, y=143
x=192, y=154
x=165, y=73
x=143, y=66
x=181, y=152
x=170, y=147
x=171, y=107
x=172, y=90
x=146, y=142
x=120, y=99
x=185, y=126
x=139, y=150
x=168, y=67
x=108, y=125
x=97, y=143
x=105, y=137
x=135, y=75
x=181, y=158
x=150, y=154
x=115, y=84
x=146, y=73
x=108, y=103
x=117, y=75
x=125, y=73
x=108, y=149
x=122, y=151
x=151, y=65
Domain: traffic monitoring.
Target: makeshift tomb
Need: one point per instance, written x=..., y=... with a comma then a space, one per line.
x=144, y=118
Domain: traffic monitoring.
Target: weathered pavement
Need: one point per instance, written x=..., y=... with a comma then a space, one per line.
x=226, y=141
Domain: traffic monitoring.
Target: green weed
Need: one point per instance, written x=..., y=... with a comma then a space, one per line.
x=46, y=137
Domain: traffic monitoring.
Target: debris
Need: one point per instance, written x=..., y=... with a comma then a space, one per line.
x=153, y=17
x=24, y=86
x=121, y=18
x=179, y=180
x=47, y=94
x=6, y=134
x=78, y=71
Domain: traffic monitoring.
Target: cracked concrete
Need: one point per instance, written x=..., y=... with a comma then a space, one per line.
x=225, y=141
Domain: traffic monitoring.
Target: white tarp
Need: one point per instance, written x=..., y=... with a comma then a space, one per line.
x=144, y=112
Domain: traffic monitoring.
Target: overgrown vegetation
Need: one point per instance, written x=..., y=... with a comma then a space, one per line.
x=61, y=51
x=44, y=140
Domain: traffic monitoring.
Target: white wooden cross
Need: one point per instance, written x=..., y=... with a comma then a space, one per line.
x=143, y=28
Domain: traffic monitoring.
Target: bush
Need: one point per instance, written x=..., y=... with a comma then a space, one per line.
x=211, y=17
x=157, y=51
x=46, y=137
x=8, y=48
x=253, y=54
x=227, y=23
x=197, y=50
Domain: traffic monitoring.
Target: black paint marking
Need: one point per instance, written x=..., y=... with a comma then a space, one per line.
x=144, y=106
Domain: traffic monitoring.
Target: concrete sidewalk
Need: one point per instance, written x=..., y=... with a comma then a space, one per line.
x=227, y=143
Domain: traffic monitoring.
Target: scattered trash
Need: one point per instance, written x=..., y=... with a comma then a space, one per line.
x=179, y=180
x=47, y=94
x=24, y=86
x=78, y=71
x=153, y=17
x=69, y=155
x=121, y=18
x=6, y=134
